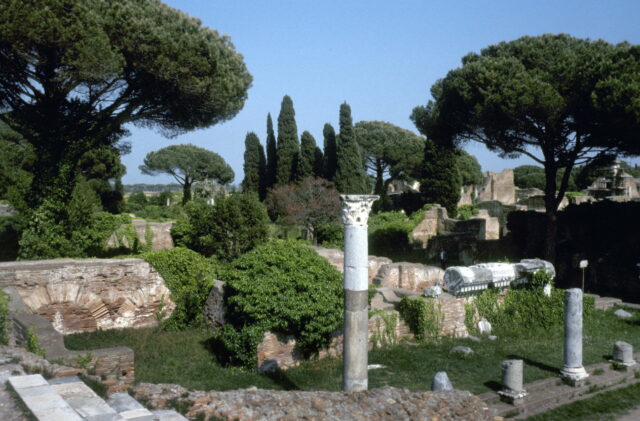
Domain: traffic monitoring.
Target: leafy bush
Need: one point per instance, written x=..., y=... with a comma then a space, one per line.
x=526, y=306
x=136, y=202
x=389, y=231
x=284, y=287
x=9, y=237
x=423, y=315
x=5, y=319
x=232, y=226
x=189, y=277
x=330, y=235
x=466, y=212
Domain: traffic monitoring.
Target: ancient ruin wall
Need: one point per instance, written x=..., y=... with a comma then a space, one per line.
x=89, y=294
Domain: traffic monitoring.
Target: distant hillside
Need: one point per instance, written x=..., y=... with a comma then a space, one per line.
x=132, y=188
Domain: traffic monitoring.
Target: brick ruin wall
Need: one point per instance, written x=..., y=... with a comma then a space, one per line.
x=280, y=351
x=89, y=294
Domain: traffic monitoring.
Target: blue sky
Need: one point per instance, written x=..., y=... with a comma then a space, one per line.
x=381, y=57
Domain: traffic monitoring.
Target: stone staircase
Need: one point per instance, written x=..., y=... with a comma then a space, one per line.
x=70, y=399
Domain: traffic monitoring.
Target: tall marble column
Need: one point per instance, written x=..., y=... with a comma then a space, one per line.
x=355, y=213
x=573, y=372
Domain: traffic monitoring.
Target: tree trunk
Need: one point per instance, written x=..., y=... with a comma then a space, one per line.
x=551, y=208
x=186, y=191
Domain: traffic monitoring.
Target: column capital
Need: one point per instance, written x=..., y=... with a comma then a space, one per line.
x=356, y=208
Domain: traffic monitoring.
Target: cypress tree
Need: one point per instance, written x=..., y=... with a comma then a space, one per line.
x=441, y=180
x=351, y=177
x=306, y=165
x=330, y=157
x=318, y=163
x=272, y=155
x=287, y=148
x=254, y=166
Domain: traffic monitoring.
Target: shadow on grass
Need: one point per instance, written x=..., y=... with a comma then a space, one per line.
x=493, y=385
x=280, y=377
x=541, y=366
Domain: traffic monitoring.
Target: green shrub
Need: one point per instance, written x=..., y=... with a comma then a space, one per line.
x=526, y=306
x=384, y=335
x=466, y=212
x=330, y=235
x=284, y=287
x=232, y=226
x=389, y=231
x=33, y=342
x=5, y=319
x=189, y=277
x=423, y=315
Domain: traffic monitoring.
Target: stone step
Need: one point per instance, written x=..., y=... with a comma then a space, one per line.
x=129, y=408
x=41, y=399
x=83, y=400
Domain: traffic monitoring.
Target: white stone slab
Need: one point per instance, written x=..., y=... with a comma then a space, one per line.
x=43, y=402
x=21, y=382
x=85, y=401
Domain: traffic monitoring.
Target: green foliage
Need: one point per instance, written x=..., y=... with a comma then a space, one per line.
x=33, y=342
x=136, y=202
x=470, y=318
x=78, y=230
x=189, y=277
x=573, y=194
x=283, y=287
x=9, y=237
x=350, y=177
x=386, y=335
x=527, y=307
x=287, y=148
x=561, y=100
x=529, y=176
x=272, y=155
x=5, y=319
x=441, y=181
x=469, y=168
x=330, y=235
x=391, y=231
x=307, y=165
x=231, y=227
x=254, y=166
x=423, y=315
x=109, y=64
x=389, y=152
x=466, y=212
x=330, y=163
x=187, y=164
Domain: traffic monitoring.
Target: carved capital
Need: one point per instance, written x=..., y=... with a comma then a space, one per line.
x=356, y=208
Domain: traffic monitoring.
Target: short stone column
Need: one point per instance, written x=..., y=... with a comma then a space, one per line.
x=355, y=213
x=573, y=372
x=623, y=354
x=512, y=384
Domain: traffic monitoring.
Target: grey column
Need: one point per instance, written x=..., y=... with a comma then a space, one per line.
x=573, y=371
x=355, y=213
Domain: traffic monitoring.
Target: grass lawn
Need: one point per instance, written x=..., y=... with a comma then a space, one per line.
x=186, y=358
x=606, y=406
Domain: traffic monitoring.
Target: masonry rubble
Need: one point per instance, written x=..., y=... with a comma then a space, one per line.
x=83, y=295
x=386, y=403
x=475, y=278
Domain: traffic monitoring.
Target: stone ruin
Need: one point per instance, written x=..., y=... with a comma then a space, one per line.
x=464, y=280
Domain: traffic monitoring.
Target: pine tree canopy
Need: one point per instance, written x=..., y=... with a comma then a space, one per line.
x=74, y=73
x=188, y=163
